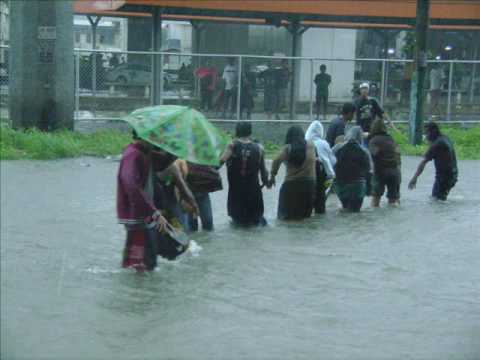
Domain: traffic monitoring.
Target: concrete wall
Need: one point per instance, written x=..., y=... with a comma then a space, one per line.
x=329, y=43
x=39, y=77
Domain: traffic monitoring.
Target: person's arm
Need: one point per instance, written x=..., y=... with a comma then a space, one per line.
x=185, y=192
x=329, y=79
x=316, y=80
x=373, y=148
x=263, y=168
x=331, y=156
x=413, y=183
x=276, y=165
x=388, y=121
x=226, y=155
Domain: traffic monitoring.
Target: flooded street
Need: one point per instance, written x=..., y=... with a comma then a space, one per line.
x=389, y=283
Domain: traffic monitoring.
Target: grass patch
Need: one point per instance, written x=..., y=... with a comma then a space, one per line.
x=37, y=145
x=466, y=142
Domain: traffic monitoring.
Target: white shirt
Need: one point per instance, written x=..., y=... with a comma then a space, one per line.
x=230, y=77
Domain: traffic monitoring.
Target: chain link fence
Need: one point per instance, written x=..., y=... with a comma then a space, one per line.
x=111, y=84
x=262, y=88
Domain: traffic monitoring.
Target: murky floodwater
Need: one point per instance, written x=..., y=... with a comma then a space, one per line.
x=398, y=283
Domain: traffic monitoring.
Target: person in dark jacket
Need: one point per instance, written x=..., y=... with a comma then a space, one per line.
x=352, y=170
x=245, y=163
x=442, y=152
x=386, y=160
x=249, y=84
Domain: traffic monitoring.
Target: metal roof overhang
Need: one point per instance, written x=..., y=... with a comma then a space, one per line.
x=396, y=14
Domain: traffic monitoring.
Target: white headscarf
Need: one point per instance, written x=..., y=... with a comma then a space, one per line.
x=315, y=134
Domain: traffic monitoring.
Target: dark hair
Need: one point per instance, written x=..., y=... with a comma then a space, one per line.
x=135, y=135
x=378, y=127
x=433, y=131
x=298, y=146
x=348, y=108
x=243, y=129
x=323, y=67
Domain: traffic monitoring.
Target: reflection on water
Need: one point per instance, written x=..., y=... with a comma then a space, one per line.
x=390, y=283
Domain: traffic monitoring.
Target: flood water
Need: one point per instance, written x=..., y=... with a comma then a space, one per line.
x=390, y=283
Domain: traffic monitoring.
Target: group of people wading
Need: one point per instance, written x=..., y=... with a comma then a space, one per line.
x=158, y=193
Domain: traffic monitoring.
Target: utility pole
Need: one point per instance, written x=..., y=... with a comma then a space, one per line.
x=41, y=64
x=417, y=102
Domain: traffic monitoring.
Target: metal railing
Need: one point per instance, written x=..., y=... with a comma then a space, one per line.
x=456, y=101
x=111, y=84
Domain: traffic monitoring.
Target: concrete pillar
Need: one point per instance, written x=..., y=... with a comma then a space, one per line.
x=41, y=64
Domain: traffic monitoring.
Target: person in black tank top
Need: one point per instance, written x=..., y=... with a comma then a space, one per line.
x=245, y=162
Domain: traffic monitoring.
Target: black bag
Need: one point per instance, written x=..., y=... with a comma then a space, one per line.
x=172, y=243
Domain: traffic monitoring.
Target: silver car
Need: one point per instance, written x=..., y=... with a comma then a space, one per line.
x=135, y=74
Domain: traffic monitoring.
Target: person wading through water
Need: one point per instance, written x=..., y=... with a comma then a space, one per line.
x=297, y=194
x=442, y=152
x=245, y=163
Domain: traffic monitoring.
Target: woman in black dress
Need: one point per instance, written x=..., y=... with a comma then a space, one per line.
x=245, y=162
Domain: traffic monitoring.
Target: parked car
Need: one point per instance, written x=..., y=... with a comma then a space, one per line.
x=136, y=74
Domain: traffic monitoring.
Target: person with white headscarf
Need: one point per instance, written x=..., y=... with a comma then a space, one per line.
x=326, y=160
x=325, y=154
x=353, y=170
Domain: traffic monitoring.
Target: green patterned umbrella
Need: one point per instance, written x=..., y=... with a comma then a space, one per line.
x=180, y=130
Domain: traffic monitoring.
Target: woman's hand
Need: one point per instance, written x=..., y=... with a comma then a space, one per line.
x=413, y=183
x=159, y=221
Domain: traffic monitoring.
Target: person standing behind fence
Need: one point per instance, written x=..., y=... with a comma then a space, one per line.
x=337, y=126
x=283, y=78
x=249, y=84
x=322, y=81
x=230, y=77
x=208, y=76
x=245, y=163
x=270, y=91
x=387, y=162
x=298, y=191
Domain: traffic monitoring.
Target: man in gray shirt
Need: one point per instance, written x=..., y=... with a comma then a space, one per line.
x=337, y=126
